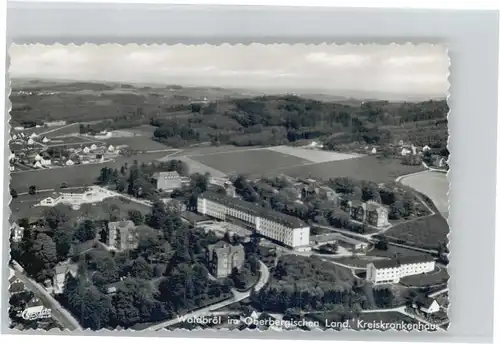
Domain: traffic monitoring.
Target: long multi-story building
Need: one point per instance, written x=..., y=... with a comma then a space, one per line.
x=284, y=229
x=392, y=270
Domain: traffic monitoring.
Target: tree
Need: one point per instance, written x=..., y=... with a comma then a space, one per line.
x=45, y=255
x=141, y=269
x=64, y=185
x=136, y=217
x=85, y=231
x=32, y=190
x=13, y=193
x=238, y=278
x=382, y=244
x=63, y=238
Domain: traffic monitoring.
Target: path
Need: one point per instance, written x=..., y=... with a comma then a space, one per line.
x=237, y=297
x=59, y=128
x=58, y=312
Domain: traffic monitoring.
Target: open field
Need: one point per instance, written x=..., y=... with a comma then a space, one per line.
x=428, y=232
x=316, y=156
x=250, y=162
x=71, y=141
x=143, y=130
x=23, y=206
x=138, y=143
x=77, y=175
x=363, y=168
x=434, y=185
x=195, y=166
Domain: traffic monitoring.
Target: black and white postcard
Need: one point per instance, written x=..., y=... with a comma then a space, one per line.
x=280, y=187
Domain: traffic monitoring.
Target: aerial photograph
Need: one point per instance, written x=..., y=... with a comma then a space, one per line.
x=239, y=187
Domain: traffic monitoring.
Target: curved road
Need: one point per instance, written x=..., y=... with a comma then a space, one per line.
x=237, y=297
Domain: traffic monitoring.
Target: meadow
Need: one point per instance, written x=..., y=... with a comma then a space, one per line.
x=77, y=175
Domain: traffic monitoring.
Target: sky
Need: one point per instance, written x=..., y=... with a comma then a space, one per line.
x=408, y=70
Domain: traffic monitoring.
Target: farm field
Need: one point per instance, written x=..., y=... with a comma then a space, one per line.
x=78, y=175
x=195, y=166
x=143, y=130
x=70, y=141
x=428, y=232
x=251, y=161
x=316, y=156
x=362, y=168
x=434, y=185
x=138, y=143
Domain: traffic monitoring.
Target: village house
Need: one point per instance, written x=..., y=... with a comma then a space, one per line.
x=93, y=147
x=427, y=305
x=61, y=271
x=122, y=235
x=223, y=258
x=45, y=140
x=167, y=181
x=86, y=150
x=371, y=212
x=46, y=161
x=70, y=162
x=15, y=284
x=16, y=232
x=111, y=148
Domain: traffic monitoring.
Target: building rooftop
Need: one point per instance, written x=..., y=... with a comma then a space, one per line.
x=425, y=302
x=254, y=209
x=393, y=263
x=121, y=224
x=224, y=248
x=166, y=175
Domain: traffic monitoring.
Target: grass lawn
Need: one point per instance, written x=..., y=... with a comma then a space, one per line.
x=138, y=143
x=438, y=276
x=428, y=232
x=78, y=175
x=23, y=206
x=363, y=168
x=250, y=161
x=391, y=252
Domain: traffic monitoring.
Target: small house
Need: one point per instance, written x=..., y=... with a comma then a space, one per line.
x=45, y=140
x=86, y=150
x=31, y=141
x=111, y=148
x=70, y=162
x=428, y=305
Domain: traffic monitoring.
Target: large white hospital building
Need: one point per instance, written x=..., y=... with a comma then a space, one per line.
x=392, y=270
x=287, y=230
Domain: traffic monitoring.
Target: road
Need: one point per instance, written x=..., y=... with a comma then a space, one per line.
x=58, y=312
x=237, y=297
